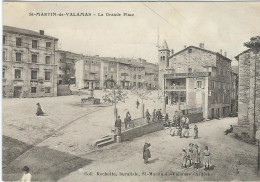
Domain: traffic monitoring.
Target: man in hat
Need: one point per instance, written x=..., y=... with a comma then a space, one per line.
x=26, y=175
x=137, y=104
x=118, y=125
x=147, y=115
x=196, y=132
x=39, y=110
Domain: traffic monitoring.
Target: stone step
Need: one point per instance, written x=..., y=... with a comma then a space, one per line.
x=103, y=139
x=106, y=143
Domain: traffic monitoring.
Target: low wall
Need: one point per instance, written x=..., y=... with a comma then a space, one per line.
x=243, y=132
x=195, y=117
x=141, y=130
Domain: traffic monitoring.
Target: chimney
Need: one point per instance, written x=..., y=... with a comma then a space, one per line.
x=201, y=45
x=41, y=32
x=185, y=47
x=220, y=51
x=225, y=53
x=172, y=52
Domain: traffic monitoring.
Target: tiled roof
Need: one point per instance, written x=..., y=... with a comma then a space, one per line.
x=237, y=57
x=25, y=32
x=211, y=52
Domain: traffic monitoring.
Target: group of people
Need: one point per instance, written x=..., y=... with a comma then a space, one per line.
x=180, y=127
x=193, y=157
x=156, y=115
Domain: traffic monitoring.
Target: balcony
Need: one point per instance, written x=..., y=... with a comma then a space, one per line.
x=175, y=87
x=186, y=75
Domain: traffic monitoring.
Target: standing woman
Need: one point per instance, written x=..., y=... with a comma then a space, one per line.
x=206, y=159
x=146, y=152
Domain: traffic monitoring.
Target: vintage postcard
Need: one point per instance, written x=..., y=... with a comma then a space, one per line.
x=130, y=91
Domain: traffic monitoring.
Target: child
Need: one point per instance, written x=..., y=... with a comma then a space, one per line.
x=196, y=132
x=26, y=175
x=196, y=156
x=190, y=153
x=206, y=159
x=184, y=158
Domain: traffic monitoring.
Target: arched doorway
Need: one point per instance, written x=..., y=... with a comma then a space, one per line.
x=109, y=83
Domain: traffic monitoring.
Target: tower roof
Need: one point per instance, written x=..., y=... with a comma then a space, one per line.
x=164, y=46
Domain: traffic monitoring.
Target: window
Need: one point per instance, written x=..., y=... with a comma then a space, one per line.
x=47, y=60
x=112, y=76
x=112, y=63
x=93, y=68
x=3, y=39
x=33, y=74
x=34, y=44
x=48, y=44
x=18, y=41
x=199, y=84
x=4, y=55
x=190, y=51
x=47, y=75
x=190, y=70
x=34, y=58
x=183, y=99
x=134, y=76
x=18, y=57
x=105, y=76
x=105, y=68
x=33, y=89
x=60, y=68
x=60, y=82
x=60, y=75
x=112, y=69
x=139, y=76
x=167, y=63
x=47, y=89
x=213, y=85
x=17, y=74
x=163, y=57
x=3, y=73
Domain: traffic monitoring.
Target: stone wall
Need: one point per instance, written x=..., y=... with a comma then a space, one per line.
x=195, y=117
x=141, y=130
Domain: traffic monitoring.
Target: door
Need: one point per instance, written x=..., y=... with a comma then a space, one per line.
x=212, y=113
x=17, y=92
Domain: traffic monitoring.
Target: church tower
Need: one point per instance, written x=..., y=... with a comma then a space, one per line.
x=163, y=58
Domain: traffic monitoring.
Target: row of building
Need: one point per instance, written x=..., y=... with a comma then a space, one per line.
x=33, y=66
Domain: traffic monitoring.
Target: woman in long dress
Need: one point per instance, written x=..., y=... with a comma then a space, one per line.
x=146, y=152
x=39, y=110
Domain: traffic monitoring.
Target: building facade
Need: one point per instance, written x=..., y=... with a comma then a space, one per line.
x=66, y=66
x=249, y=91
x=29, y=66
x=196, y=80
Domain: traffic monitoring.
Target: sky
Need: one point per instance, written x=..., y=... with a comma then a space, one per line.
x=219, y=25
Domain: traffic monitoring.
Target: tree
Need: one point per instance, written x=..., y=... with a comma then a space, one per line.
x=142, y=94
x=114, y=96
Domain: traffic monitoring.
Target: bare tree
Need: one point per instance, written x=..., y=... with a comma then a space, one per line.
x=142, y=94
x=114, y=96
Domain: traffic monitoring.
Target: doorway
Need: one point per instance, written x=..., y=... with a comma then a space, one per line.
x=17, y=92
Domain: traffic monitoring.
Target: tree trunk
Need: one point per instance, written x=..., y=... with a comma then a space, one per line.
x=115, y=112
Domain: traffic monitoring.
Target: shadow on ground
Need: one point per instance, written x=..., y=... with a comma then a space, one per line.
x=45, y=164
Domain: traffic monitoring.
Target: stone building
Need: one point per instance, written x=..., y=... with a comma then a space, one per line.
x=249, y=91
x=88, y=73
x=66, y=66
x=196, y=80
x=29, y=67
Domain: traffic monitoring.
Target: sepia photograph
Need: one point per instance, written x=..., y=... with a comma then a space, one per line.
x=130, y=91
